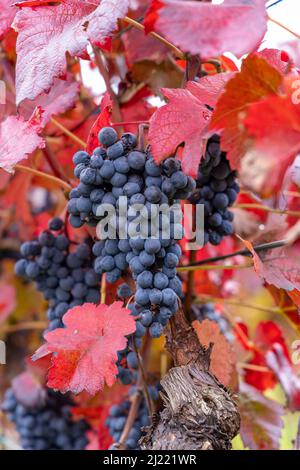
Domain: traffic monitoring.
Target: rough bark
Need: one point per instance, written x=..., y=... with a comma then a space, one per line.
x=199, y=413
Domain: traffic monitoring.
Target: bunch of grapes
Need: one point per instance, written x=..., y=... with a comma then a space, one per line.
x=65, y=276
x=209, y=312
x=119, y=169
x=48, y=425
x=118, y=415
x=217, y=190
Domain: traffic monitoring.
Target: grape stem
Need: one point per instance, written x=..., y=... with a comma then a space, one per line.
x=128, y=123
x=267, y=209
x=144, y=381
x=283, y=27
x=103, y=289
x=243, y=365
x=190, y=283
x=208, y=267
x=164, y=41
x=68, y=133
x=45, y=176
x=244, y=252
x=141, y=136
x=30, y=325
x=133, y=412
x=116, y=111
x=238, y=303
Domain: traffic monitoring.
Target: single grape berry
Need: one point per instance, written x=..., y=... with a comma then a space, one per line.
x=107, y=136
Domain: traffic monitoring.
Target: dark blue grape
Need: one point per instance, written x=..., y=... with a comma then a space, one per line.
x=145, y=279
x=80, y=157
x=107, y=136
x=121, y=165
x=56, y=224
x=136, y=160
x=115, y=150
x=156, y=330
x=107, y=170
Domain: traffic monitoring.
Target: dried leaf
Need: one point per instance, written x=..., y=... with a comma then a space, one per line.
x=222, y=357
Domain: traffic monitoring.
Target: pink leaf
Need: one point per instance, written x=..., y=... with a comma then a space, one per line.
x=278, y=59
x=183, y=119
x=202, y=28
x=7, y=301
x=7, y=15
x=61, y=97
x=85, y=351
x=47, y=33
x=209, y=88
x=19, y=138
x=279, y=268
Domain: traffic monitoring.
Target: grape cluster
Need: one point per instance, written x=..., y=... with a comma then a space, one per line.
x=118, y=415
x=158, y=286
x=128, y=361
x=217, y=190
x=209, y=312
x=119, y=169
x=64, y=276
x=48, y=425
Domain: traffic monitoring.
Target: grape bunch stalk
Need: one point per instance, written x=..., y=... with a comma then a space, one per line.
x=118, y=415
x=63, y=272
x=217, y=190
x=116, y=169
x=47, y=425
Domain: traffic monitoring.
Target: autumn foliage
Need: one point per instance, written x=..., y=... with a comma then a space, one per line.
x=175, y=73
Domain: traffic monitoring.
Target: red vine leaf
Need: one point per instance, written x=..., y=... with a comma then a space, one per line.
x=102, y=120
x=19, y=138
x=261, y=419
x=55, y=30
x=278, y=268
x=183, y=119
x=266, y=338
x=256, y=80
x=279, y=141
x=212, y=29
x=85, y=351
x=222, y=356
